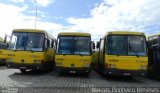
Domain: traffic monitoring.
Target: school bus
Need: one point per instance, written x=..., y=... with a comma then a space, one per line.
x=123, y=53
x=73, y=54
x=3, y=49
x=31, y=49
x=154, y=56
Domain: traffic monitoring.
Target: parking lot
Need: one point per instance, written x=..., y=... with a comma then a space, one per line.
x=13, y=81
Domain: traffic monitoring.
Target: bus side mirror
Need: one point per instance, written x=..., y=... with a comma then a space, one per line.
x=48, y=43
x=93, y=45
x=5, y=38
x=97, y=46
x=52, y=43
x=56, y=44
x=147, y=44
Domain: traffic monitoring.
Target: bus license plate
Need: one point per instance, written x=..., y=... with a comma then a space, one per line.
x=72, y=71
x=22, y=67
x=126, y=74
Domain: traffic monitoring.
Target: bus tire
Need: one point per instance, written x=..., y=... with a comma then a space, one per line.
x=23, y=70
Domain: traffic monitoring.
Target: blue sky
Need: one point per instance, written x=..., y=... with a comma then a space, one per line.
x=63, y=9
x=94, y=16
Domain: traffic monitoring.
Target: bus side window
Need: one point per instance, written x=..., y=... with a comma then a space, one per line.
x=48, y=43
x=52, y=43
x=45, y=45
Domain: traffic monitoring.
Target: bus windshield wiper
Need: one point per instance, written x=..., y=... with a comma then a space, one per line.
x=29, y=48
x=26, y=42
x=133, y=50
x=20, y=47
x=80, y=54
x=121, y=50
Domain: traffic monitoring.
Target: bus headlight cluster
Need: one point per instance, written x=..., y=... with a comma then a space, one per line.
x=58, y=63
x=143, y=67
x=111, y=65
x=86, y=65
x=9, y=60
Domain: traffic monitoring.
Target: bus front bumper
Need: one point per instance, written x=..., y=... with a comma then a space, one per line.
x=73, y=69
x=119, y=72
x=35, y=66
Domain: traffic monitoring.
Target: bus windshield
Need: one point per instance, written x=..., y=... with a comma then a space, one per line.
x=73, y=45
x=126, y=45
x=27, y=41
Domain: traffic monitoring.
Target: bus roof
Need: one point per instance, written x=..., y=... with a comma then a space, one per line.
x=153, y=35
x=74, y=33
x=29, y=30
x=32, y=30
x=124, y=33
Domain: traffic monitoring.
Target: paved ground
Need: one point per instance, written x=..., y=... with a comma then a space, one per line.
x=13, y=81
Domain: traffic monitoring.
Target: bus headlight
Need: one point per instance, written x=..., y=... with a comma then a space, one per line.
x=37, y=61
x=86, y=65
x=111, y=65
x=58, y=63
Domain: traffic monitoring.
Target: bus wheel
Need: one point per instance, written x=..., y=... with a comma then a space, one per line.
x=23, y=70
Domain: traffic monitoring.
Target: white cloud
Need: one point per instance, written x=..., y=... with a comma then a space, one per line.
x=43, y=3
x=40, y=3
x=16, y=1
x=132, y=15
x=12, y=17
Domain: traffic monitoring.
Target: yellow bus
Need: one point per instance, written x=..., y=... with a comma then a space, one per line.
x=73, y=54
x=31, y=49
x=123, y=53
x=3, y=49
x=154, y=56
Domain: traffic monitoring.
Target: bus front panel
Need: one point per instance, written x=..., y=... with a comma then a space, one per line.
x=73, y=54
x=73, y=63
x=126, y=65
x=125, y=55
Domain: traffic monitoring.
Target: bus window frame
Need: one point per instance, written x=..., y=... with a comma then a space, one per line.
x=43, y=47
x=151, y=40
x=57, y=45
x=106, y=43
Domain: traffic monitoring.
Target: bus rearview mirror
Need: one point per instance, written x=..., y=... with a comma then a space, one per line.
x=97, y=46
x=93, y=45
